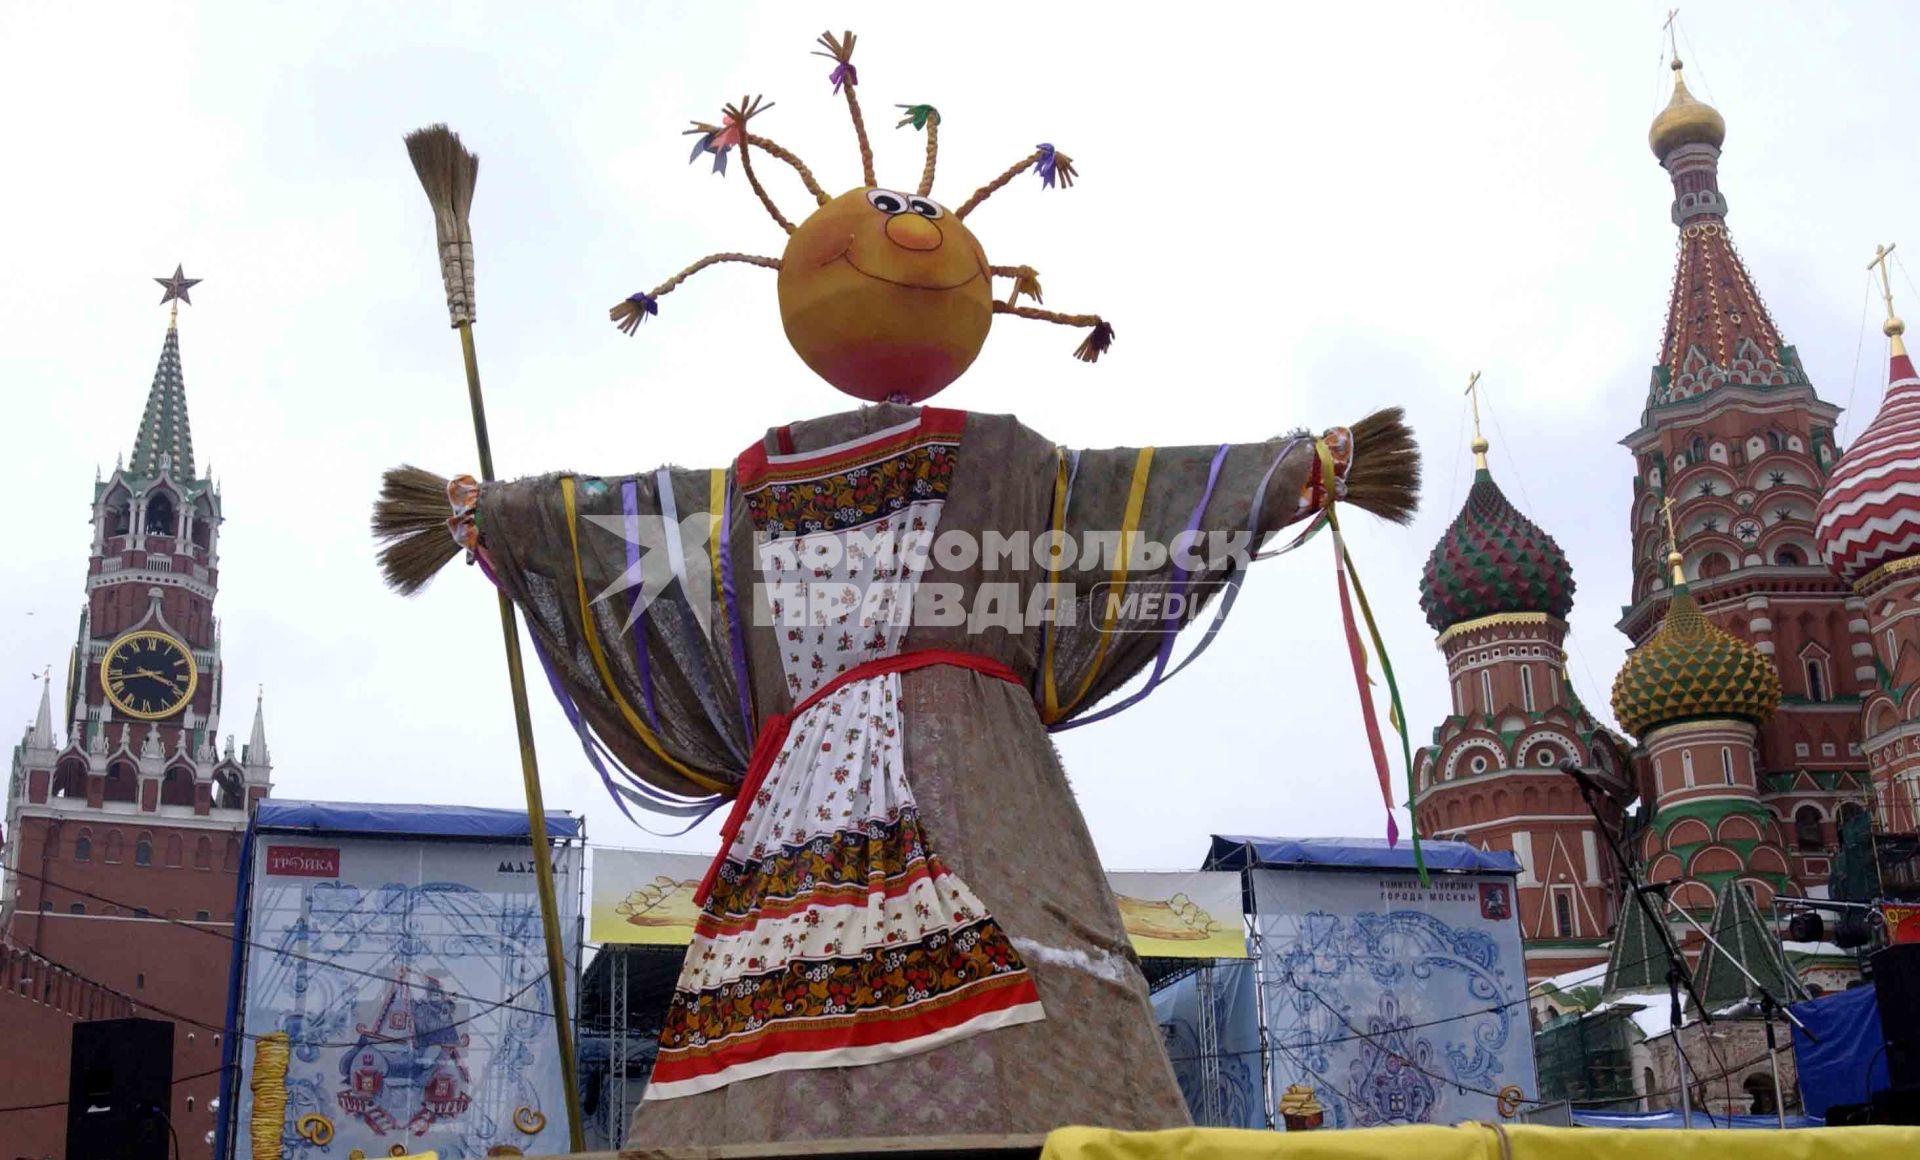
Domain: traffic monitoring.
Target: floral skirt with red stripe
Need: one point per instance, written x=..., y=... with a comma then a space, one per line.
x=834, y=935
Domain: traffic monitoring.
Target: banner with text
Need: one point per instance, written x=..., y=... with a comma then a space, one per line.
x=1397, y=1003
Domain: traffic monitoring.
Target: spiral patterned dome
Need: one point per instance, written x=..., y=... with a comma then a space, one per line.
x=1870, y=514
x=1693, y=669
x=1492, y=559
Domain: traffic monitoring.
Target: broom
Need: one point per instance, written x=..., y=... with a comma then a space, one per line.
x=1384, y=478
x=447, y=172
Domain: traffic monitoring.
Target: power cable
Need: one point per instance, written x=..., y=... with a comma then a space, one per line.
x=281, y=952
x=63, y=1103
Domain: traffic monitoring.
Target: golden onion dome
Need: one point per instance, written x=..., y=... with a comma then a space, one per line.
x=1693, y=670
x=1685, y=121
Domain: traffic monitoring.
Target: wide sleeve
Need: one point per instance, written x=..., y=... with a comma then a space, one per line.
x=626, y=585
x=1156, y=536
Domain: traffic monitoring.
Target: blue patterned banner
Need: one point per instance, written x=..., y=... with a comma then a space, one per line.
x=410, y=977
x=1397, y=1004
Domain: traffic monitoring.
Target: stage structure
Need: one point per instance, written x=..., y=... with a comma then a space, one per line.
x=1397, y=1003
x=393, y=990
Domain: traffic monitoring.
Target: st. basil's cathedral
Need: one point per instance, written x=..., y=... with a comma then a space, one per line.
x=1774, y=683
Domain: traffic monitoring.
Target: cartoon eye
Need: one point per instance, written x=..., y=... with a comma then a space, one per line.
x=886, y=201
x=925, y=208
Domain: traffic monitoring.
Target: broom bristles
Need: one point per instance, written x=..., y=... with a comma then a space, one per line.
x=1385, y=476
x=410, y=524
x=448, y=171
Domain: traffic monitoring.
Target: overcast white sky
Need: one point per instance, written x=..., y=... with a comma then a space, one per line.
x=1294, y=214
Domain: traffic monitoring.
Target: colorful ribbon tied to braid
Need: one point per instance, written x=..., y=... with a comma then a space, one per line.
x=1047, y=166
x=843, y=73
x=463, y=496
x=716, y=142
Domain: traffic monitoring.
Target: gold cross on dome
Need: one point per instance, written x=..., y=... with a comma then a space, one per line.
x=1893, y=328
x=1673, y=542
x=1479, y=440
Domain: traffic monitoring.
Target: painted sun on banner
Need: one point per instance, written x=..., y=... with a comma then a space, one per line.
x=1187, y=915
x=644, y=896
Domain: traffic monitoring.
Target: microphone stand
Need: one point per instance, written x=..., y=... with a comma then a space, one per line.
x=1768, y=1005
x=1677, y=974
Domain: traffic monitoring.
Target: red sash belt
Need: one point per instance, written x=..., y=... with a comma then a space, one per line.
x=773, y=732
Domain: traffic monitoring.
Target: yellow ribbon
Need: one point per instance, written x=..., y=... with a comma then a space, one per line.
x=592, y=634
x=1117, y=586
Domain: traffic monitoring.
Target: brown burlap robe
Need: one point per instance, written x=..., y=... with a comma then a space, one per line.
x=993, y=797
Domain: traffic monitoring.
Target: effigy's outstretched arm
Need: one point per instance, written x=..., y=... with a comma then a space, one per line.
x=625, y=583
x=1159, y=534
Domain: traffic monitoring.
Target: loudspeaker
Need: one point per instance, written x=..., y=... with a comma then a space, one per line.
x=120, y=1090
x=1896, y=979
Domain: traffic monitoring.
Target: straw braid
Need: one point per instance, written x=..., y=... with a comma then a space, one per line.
x=841, y=50
x=711, y=259
x=746, y=164
x=740, y=114
x=1026, y=280
x=992, y=187
x=806, y=175
x=1091, y=349
x=933, y=152
x=630, y=312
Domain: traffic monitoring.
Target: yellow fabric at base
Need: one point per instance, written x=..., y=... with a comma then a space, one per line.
x=1481, y=1142
x=1417, y=1142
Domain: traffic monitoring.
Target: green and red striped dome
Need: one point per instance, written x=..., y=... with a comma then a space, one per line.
x=1493, y=560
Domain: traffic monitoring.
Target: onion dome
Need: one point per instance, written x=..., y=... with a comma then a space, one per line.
x=1685, y=121
x=1692, y=669
x=1493, y=559
x=1870, y=514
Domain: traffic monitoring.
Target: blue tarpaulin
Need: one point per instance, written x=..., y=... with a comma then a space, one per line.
x=1849, y=1063
x=1675, y=1120
x=1237, y=852
x=416, y=821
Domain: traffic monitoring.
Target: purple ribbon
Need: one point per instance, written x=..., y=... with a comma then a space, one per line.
x=598, y=756
x=843, y=73
x=1046, y=166
x=1178, y=586
x=735, y=637
x=630, y=508
x=705, y=145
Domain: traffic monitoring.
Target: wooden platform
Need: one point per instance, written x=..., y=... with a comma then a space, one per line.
x=855, y=1148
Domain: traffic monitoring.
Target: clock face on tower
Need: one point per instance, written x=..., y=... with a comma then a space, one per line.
x=148, y=675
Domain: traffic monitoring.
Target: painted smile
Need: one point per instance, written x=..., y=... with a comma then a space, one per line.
x=847, y=257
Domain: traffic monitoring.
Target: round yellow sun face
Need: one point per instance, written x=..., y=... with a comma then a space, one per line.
x=886, y=295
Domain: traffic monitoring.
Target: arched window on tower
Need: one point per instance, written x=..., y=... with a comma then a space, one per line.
x=143, y=850
x=1697, y=450
x=1726, y=763
x=1788, y=556
x=113, y=845
x=1714, y=564
x=160, y=515
x=1806, y=828
x=1816, y=680
x=173, y=849
x=83, y=846
x=1776, y=441
x=1486, y=692
x=203, y=854
x=1686, y=768
x=177, y=788
x=1526, y=687
x=202, y=524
